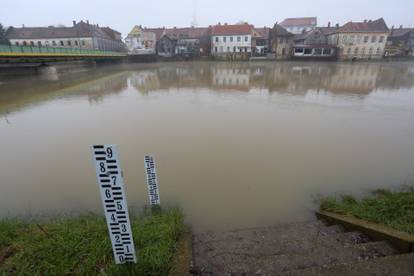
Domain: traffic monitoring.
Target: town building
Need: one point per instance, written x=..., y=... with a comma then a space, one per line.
x=400, y=42
x=184, y=42
x=141, y=42
x=313, y=44
x=166, y=46
x=260, y=41
x=192, y=41
x=360, y=40
x=280, y=42
x=234, y=40
x=299, y=25
x=80, y=35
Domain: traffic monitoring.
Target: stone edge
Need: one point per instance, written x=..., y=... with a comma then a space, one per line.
x=403, y=242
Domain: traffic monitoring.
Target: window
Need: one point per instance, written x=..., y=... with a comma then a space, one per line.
x=231, y=39
x=221, y=49
x=234, y=49
x=344, y=38
x=363, y=50
x=215, y=49
x=83, y=43
x=351, y=39
x=348, y=51
x=370, y=51
x=228, y=49
x=31, y=43
x=24, y=43
x=217, y=39
x=61, y=43
x=224, y=39
x=378, y=51
x=381, y=39
x=373, y=39
x=308, y=51
x=356, y=51
x=327, y=52
x=69, y=42
x=53, y=43
x=47, y=43
x=281, y=40
x=299, y=50
x=16, y=43
x=238, y=38
x=76, y=43
x=246, y=38
x=318, y=51
x=366, y=38
x=39, y=43
x=358, y=39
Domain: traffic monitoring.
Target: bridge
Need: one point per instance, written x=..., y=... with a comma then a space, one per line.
x=28, y=54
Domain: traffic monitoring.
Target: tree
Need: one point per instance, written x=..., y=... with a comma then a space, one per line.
x=3, y=32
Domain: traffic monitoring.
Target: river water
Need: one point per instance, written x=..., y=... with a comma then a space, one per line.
x=237, y=145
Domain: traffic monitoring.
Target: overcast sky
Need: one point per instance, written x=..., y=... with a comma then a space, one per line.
x=122, y=15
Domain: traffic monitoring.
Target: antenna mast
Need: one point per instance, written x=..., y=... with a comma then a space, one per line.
x=194, y=22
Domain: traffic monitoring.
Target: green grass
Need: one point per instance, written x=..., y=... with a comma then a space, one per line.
x=81, y=246
x=394, y=209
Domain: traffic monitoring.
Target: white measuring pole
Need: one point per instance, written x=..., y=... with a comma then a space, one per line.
x=152, y=183
x=111, y=185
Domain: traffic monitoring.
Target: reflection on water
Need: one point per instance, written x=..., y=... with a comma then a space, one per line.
x=237, y=144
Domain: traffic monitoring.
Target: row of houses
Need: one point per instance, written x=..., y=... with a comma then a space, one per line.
x=292, y=38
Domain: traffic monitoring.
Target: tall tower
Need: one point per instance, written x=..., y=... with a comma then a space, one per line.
x=194, y=21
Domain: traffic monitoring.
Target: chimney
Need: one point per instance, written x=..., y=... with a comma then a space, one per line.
x=401, y=26
x=365, y=21
x=370, y=21
x=22, y=25
x=329, y=24
x=97, y=25
x=87, y=22
x=337, y=25
x=225, y=24
x=392, y=27
x=74, y=23
x=219, y=23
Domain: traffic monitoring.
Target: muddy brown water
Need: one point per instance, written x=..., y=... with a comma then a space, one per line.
x=237, y=145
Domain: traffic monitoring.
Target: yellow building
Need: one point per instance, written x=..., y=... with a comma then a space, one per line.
x=360, y=40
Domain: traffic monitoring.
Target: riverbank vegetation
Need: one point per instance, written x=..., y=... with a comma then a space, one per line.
x=81, y=245
x=391, y=208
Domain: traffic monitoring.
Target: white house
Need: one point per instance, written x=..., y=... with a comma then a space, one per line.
x=140, y=41
x=226, y=39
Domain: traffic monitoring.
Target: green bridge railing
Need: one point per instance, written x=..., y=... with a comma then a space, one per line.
x=12, y=50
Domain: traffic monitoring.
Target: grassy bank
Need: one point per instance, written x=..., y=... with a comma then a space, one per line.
x=394, y=209
x=81, y=246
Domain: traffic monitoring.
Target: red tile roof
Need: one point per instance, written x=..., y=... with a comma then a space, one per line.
x=299, y=21
x=261, y=32
x=191, y=32
x=376, y=26
x=239, y=29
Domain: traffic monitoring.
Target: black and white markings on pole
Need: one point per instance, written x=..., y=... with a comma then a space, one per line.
x=111, y=185
x=152, y=183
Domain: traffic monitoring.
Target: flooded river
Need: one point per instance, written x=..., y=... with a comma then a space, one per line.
x=237, y=145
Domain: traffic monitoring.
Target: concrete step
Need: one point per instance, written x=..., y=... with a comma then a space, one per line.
x=265, y=245
x=225, y=262
x=283, y=232
x=396, y=265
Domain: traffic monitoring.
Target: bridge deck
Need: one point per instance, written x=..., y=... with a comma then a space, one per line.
x=11, y=51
